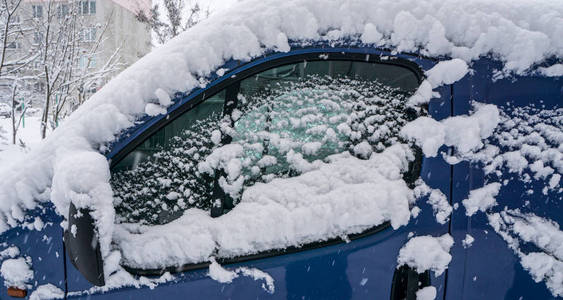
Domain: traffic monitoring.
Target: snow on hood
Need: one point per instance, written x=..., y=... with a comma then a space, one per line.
x=519, y=33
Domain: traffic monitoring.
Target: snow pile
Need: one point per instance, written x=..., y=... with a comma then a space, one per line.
x=17, y=272
x=481, y=199
x=464, y=133
x=427, y=253
x=545, y=265
x=426, y=293
x=217, y=272
x=47, y=291
x=344, y=196
x=445, y=72
x=552, y=71
x=282, y=133
x=9, y=252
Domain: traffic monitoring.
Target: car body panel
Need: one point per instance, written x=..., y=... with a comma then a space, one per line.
x=354, y=270
x=489, y=268
x=45, y=247
x=362, y=268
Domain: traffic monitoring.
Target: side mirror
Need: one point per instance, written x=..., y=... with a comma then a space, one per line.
x=83, y=247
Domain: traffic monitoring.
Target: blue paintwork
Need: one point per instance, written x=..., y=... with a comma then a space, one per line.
x=338, y=271
x=45, y=248
x=180, y=99
x=333, y=272
x=496, y=269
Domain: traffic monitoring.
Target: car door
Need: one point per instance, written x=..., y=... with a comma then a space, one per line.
x=492, y=267
x=32, y=255
x=268, y=108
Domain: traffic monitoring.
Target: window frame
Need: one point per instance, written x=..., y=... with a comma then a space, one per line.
x=196, y=97
x=37, y=11
x=209, y=91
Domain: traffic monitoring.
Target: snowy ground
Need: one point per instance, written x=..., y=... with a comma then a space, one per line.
x=29, y=136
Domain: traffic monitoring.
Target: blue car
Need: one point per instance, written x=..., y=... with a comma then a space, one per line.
x=273, y=127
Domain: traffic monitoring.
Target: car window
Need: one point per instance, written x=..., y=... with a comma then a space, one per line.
x=282, y=122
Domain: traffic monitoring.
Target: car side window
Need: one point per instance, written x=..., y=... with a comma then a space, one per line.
x=283, y=122
x=157, y=181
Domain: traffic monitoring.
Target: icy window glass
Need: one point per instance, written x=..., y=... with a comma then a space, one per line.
x=285, y=121
x=157, y=181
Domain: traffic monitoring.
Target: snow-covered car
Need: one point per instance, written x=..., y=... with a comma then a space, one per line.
x=308, y=150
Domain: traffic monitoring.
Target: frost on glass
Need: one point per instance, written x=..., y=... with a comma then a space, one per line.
x=280, y=130
x=159, y=189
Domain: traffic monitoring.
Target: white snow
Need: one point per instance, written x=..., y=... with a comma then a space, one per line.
x=552, y=71
x=68, y=167
x=371, y=35
x=426, y=293
x=481, y=199
x=220, y=274
x=345, y=196
x=152, y=109
x=554, y=181
x=465, y=30
x=439, y=202
x=468, y=241
x=256, y=274
x=9, y=252
x=464, y=133
x=446, y=72
x=427, y=253
x=16, y=272
x=544, y=265
x=428, y=133
x=47, y=291
x=163, y=97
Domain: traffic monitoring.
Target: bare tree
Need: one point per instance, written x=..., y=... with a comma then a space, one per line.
x=8, y=10
x=68, y=49
x=174, y=21
x=17, y=120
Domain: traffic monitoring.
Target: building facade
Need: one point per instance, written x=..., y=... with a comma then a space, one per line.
x=100, y=31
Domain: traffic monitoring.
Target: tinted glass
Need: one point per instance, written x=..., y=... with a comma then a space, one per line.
x=285, y=119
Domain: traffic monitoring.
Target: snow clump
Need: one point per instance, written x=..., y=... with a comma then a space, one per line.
x=426, y=293
x=427, y=253
x=17, y=272
x=220, y=274
x=464, y=133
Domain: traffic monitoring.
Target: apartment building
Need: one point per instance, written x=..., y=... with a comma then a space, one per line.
x=112, y=21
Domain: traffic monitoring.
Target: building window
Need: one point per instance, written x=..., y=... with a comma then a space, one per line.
x=89, y=34
x=62, y=11
x=37, y=64
x=86, y=61
x=88, y=7
x=37, y=38
x=15, y=19
x=37, y=11
x=13, y=45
